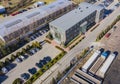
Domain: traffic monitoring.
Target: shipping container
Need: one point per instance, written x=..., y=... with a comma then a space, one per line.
x=101, y=72
x=96, y=81
x=79, y=80
x=91, y=60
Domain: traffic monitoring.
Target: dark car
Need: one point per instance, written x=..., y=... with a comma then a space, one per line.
x=25, y=76
x=47, y=59
x=43, y=62
x=32, y=70
x=39, y=65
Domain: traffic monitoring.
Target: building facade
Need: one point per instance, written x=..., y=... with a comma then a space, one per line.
x=79, y=20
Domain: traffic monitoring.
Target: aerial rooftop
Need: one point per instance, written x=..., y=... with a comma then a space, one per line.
x=73, y=17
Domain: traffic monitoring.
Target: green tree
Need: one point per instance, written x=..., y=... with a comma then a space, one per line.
x=33, y=45
x=17, y=81
x=2, y=64
x=37, y=44
x=28, y=47
x=12, y=57
x=18, y=54
x=7, y=61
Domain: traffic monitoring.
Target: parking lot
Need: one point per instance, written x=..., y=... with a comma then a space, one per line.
x=30, y=62
x=112, y=43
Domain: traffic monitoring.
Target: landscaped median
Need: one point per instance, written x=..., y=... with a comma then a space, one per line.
x=46, y=67
x=76, y=42
x=99, y=37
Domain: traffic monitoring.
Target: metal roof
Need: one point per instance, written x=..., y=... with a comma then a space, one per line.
x=106, y=64
x=68, y=20
x=87, y=65
x=13, y=23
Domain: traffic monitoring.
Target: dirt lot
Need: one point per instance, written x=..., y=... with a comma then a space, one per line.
x=113, y=44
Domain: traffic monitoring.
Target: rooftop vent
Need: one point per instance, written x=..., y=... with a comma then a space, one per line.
x=86, y=7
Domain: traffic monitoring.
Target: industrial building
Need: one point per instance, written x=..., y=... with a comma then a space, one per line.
x=101, y=72
x=91, y=60
x=77, y=21
x=21, y=25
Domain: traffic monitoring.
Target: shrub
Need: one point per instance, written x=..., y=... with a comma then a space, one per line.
x=48, y=41
x=17, y=81
x=7, y=61
x=49, y=36
x=12, y=57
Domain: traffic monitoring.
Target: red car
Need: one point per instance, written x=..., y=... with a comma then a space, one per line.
x=107, y=35
x=15, y=13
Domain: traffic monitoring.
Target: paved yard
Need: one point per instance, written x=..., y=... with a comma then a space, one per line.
x=113, y=44
x=47, y=50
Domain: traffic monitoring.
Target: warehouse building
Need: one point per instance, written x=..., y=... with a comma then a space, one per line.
x=79, y=20
x=21, y=25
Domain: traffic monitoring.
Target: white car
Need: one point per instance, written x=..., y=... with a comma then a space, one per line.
x=22, y=57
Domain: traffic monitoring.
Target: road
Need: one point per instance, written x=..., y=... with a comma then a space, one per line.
x=90, y=37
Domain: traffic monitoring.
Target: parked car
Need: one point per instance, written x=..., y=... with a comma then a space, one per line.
x=25, y=76
x=4, y=70
x=107, y=35
x=18, y=60
x=47, y=59
x=43, y=62
x=22, y=57
x=13, y=14
x=39, y=65
x=32, y=70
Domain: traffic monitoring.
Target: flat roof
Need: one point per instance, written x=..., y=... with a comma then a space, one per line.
x=91, y=60
x=68, y=20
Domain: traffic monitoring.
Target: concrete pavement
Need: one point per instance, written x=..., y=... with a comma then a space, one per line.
x=90, y=37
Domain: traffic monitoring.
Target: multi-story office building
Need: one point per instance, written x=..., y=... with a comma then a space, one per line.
x=21, y=25
x=77, y=21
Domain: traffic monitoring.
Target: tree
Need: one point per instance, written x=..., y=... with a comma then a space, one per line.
x=7, y=61
x=2, y=64
x=17, y=81
x=18, y=54
x=28, y=47
x=12, y=57
x=37, y=44
x=23, y=50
